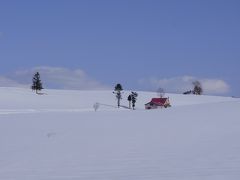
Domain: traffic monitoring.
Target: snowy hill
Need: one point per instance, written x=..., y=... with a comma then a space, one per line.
x=59, y=136
x=18, y=100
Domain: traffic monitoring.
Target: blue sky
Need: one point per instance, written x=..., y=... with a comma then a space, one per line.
x=142, y=44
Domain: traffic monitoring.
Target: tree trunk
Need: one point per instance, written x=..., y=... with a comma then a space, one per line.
x=118, y=102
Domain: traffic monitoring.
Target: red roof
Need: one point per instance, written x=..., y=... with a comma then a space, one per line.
x=159, y=101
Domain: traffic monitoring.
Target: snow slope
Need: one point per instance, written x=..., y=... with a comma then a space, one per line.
x=59, y=136
x=17, y=100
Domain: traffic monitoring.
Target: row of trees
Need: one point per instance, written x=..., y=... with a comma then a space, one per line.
x=132, y=98
x=197, y=89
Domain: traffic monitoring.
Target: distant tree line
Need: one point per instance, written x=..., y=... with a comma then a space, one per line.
x=197, y=89
x=118, y=91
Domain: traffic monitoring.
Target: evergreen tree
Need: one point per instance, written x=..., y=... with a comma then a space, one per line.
x=118, y=91
x=37, y=84
x=118, y=87
x=130, y=99
x=197, y=88
x=134, y=99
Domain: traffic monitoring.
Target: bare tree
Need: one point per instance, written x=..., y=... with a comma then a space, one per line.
x=96, y=106
x=160, y=92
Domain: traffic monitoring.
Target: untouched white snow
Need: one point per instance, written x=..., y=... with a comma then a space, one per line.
x=59, y=136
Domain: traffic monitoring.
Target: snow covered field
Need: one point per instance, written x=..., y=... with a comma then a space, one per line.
x=59, y=136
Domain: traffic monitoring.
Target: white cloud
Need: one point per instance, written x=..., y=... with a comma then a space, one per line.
x=184, y=83
x=215, y=86
x=6, y=82
x=59, y=78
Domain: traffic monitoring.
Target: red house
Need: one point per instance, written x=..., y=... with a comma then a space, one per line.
x=158, y=103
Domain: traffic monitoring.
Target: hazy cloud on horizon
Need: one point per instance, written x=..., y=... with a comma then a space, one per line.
x=184, y=83
x=53, y=78
x=77, y=79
